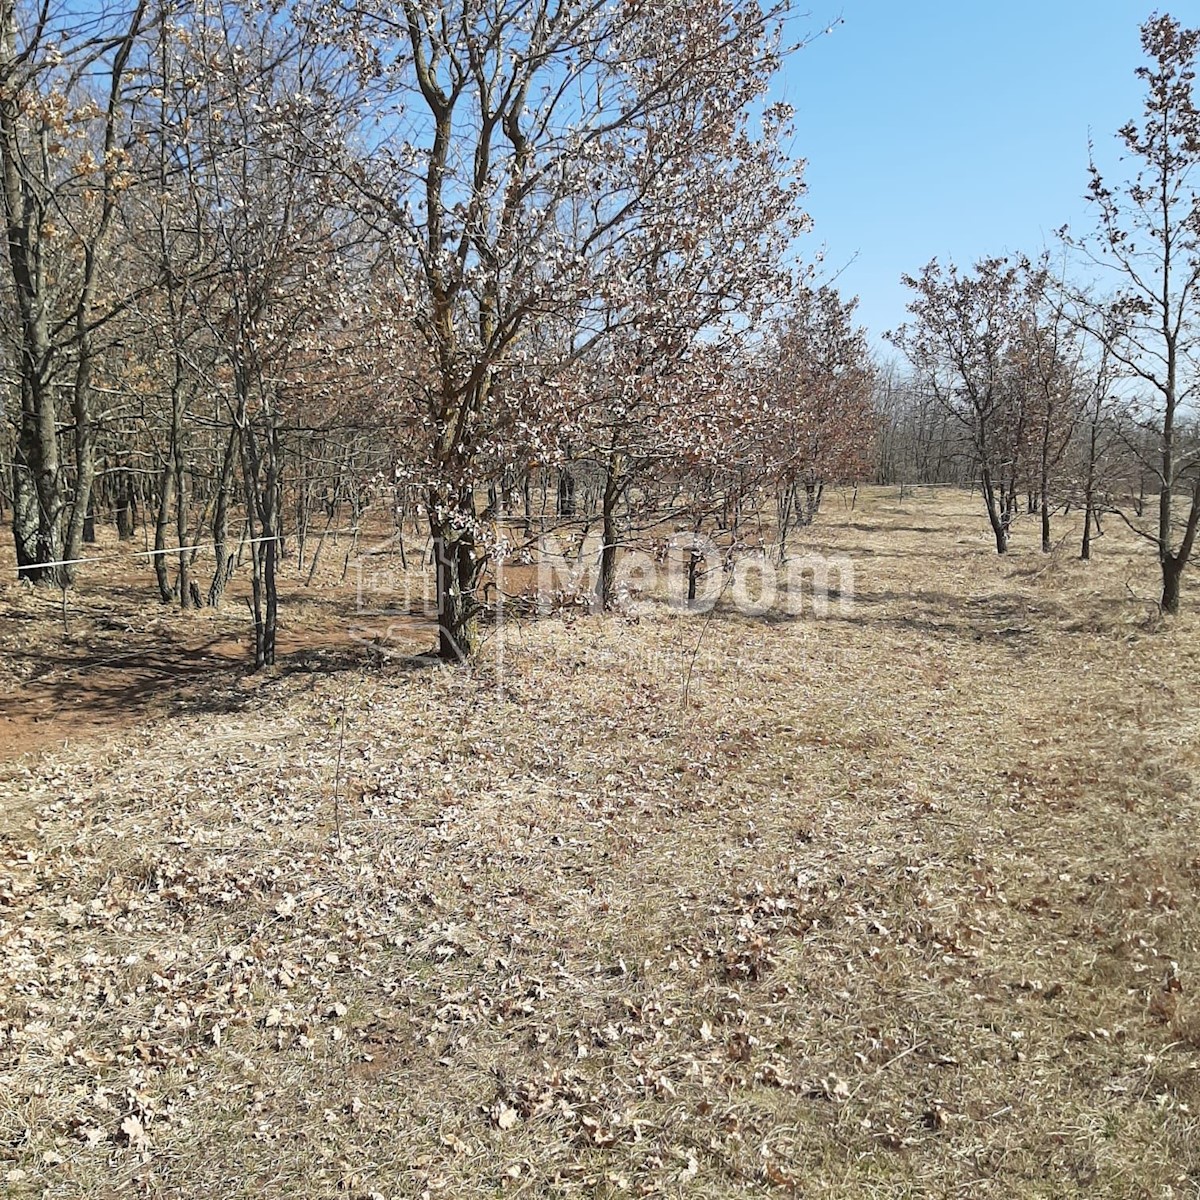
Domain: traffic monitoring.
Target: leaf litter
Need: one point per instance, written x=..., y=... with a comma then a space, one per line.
x=898, y=906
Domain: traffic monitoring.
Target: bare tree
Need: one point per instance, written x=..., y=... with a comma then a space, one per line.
x=820, y=423
x=916, y=439
x=262, y=147
x=1048, y=368
x=962, y=342
x=64, y=163
x=1148, y=239
x=1102, y=422
x=517, y=166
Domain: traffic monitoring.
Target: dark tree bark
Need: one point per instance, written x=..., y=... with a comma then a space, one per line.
x=614, y=485
x=224, y=564
x=566, y=492
x=459, y=566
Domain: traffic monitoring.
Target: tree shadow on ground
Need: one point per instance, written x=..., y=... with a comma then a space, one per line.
x=893, y=529
x=1011, y=617
x=110, y=674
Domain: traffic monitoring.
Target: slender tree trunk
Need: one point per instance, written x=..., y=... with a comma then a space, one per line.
x=126, y=507
x=181, y=496
x=695, y=562
x=261, y=479
x=814, y=501
x=85, y=435
x=614, y=485
x=223, y=568
x=303, y=495
x=1089, y=495
x=1174, y=564
x=398, y=517
x=566, y=493
x=784, y=498
x=162, y=568
x=1043, y=501
x=316, y=558
x=271, y=556
x=268, y=547
x=997, y=518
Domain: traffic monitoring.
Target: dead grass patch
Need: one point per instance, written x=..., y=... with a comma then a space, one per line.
x=903, y=904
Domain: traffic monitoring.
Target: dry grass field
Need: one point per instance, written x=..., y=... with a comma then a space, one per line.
x=903, y=903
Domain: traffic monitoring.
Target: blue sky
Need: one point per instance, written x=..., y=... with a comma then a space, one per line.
x=955, y=130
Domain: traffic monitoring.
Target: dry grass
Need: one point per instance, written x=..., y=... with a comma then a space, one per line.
x=903, y=904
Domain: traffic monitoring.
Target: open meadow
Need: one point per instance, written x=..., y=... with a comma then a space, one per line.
x=599, y=599
x=899, y=902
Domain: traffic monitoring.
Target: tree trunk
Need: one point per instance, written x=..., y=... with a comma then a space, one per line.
x=784, y=500
x=566, y=493
x=85, y=436
x=264, y=552
x=126, y=505
x=1172, y=571
x=1089, y=495
x=162, y=568
x=223, y=570
x=37, y=515
x=997, y=518
x=813, y=491
x=181, y=496
x=24, y=515
x=316, y=558
x=262, y=483
x=613, y=486
x=1043, y=500
x=38, y=509
x=270, y=556
x=1173, y=564
x=458, y=565
x=695, y=562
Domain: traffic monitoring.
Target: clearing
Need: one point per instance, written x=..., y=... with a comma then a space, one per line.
x=904, y=903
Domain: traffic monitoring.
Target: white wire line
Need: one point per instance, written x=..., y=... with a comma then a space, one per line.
x=72, y=562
